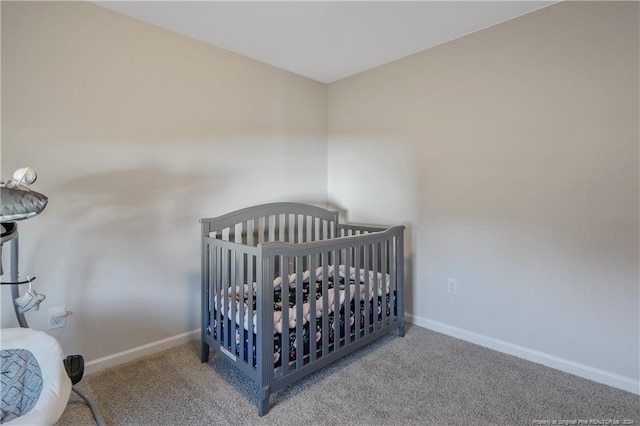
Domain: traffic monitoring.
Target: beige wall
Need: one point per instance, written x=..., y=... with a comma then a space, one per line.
x=136, y=133
x=512, y=156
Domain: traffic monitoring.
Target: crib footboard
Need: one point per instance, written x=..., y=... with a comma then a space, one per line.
x=359, y=284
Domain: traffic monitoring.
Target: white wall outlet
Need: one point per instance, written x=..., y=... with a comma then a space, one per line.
x=452, y=284
x=57, y=317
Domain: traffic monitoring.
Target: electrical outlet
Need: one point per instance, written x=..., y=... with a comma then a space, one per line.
x=57, y=317
x=452, y=285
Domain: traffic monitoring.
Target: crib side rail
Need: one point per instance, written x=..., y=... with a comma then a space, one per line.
x=349, y=229
x=270, y=248
x=346, y=316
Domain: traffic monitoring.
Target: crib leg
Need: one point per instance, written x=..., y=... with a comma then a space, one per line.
x=264, y=401
x=401, y=328
x=204, y=351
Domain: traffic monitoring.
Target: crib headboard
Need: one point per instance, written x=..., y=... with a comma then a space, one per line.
x=285, y=221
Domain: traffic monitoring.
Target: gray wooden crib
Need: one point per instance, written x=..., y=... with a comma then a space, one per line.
x=286, y=290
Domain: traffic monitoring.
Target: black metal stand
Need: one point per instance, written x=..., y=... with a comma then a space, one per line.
x=10, y=235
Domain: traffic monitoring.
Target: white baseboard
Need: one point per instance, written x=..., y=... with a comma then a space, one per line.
x=100, y=364
x=597, y=375
x=582, y=370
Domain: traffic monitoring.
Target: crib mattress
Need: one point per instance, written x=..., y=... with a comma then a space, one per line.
x=312, y=334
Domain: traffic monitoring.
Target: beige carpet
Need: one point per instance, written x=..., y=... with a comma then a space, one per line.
x=423, y=378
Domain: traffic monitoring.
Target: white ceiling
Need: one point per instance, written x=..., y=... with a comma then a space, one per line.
x=325, y=40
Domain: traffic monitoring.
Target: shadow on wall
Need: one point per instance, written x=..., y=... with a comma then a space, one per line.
x=146, y=187
x=143, y=200
x=110, y=229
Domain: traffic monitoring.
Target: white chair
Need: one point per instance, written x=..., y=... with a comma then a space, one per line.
x=56, y=385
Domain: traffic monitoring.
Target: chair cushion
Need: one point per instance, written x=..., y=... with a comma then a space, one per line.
x=20, y=383
x=19, y=204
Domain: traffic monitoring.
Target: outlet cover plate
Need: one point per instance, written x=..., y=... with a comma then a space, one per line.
x=57, y=317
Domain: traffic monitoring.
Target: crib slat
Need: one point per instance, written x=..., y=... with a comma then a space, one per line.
x=216, y=323
x=376, y=286
x=211, y=286
x=299, y=316
x=218, y=277
x=264, y=344
x=399, y=261
x=384, y=271
x=220, y=293
x=250, y=280
x=313, y=265
x=231, y=317
x=253, y=232
x=277, y=229
x=393, y=283
x=243, y=232
x=241, y=281
x=287, y=230
x=286, y=351
x=305, y=229
x=358, y=313
x=325, y=304
x=367, y=290
x=395, y=274
x=347, y=297
x=336, y=300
